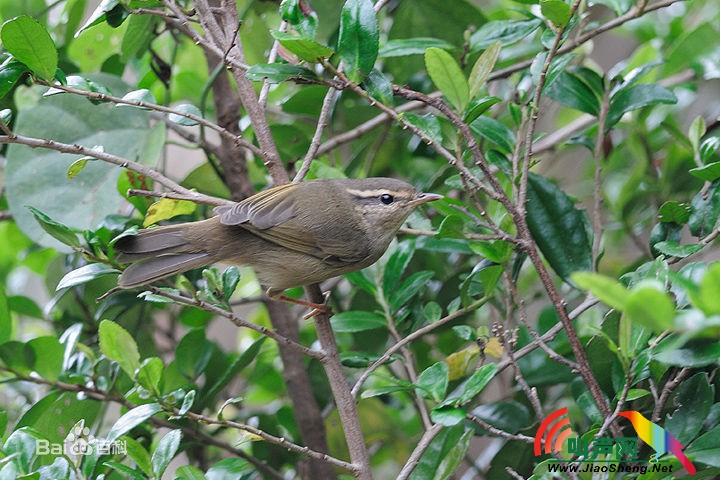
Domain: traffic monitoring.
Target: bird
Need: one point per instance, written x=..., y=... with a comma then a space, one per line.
x=292, y=235
x=658, y=438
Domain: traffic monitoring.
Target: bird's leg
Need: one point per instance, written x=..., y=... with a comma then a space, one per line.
x=317, y=308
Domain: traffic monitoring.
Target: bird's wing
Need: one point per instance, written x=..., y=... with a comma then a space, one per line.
x=273, y=215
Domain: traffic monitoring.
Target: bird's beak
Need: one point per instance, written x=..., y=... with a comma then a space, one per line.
x=425, y=198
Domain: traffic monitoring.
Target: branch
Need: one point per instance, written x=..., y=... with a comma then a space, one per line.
x=327, y=107
x=159, y=108
x=413, y=336
x=237, y=321
x=422, y=445
x=77, y=149
x=632, y=14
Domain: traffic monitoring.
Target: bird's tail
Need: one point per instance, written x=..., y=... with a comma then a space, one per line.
x=157, y=253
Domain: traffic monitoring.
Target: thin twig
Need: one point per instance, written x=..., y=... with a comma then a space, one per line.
x=323, y=121
x=77, y=149
x=132, y=192
x=599, y=156
x=240, y=322
x=422, y=445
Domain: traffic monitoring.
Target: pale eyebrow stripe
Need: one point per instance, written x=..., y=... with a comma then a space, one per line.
x=374, y=193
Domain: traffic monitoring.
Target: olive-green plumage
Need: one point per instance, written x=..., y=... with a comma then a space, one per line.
x=294, y=234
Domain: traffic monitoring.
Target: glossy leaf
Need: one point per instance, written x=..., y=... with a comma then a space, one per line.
x=48, y=357
x=357, y=321
x=358, y=42
x=496, y=132
x=694, y=399
x=84, y=274
x=444, y=454
x=674, y=212
x=478, y=107
x=477, y=382
x=571, y=90
x=279, y=72
x=608, y=290
x=149, y=374
x=28, y=41
x=482, y=68
x=165, y=451
x=167, y=208
x=635, y=97
x=411, y=46
x=557, y=11
x=558, y=227
x=506, y=32
x=118, y=345
x=183, y=120
x=132, y=419
x=409, y=288
x=709, y=172
x=673, y=249
x=56, y=229
x=10, y=73
x=379, y=87
x=447, y=77
x=704, y=211
x=433, y=381
x=650, y=307
x=308, y=50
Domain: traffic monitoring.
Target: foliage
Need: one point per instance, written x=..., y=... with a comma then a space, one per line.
x=569, y=264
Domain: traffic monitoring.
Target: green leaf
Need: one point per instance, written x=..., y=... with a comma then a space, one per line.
x=482, y=68
x=230, y=468
x=477, y=382
x=379, y=87
x=18, y=356
x=396, y=265
x=357, y=321
x=143, y=95
x=695, y=355
x=150, y=373
x=649, y=306
x=411, y=46
x=409, y=288
x=694, y=399
x=433, y=381
x=708, y=299
x=167, y=208
x=696, y=131
x=447, y=77
x=28, y=41
x=183, y=120
x=509, y=416
x=188, y=402
x=10, y=72
x=635, y=97
x=478, y=107
x=6, y=325
x=235, y=367
x=496, y=132
x=85, y=274
x=188, y=472
x=608, y=290
x=137, y=452
x=132, y=419
x=704, y=211
x=504, y=31
x=48, y=357
x=558, y=227
x=56, y=229
x=137, y=37
x=118, y=345
x=708, y=149
x=557, y=11
x=673, y=249
x=709, y=172
x=308, y=50
x=99, y=15
x=165, y=451
x=124, y=469
x=193, y=353
x=444, y=454
x=279, y=72
x=706, y=448
x=690, y=47
x=359, y=38
x=448, y=416
x=675, y=212
x=230, y=280
x=571, y=90
x=38, y=177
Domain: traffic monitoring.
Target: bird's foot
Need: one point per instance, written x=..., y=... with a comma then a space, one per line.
x=317, y=308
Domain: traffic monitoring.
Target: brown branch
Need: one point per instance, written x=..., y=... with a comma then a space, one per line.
x=598, y=157
x=237, y=321
x=422, y=445
x=322, y=124
x=668, y=388
x=132, y=192
x=632, y=14
x=496, y=431
x=77, y=149
x=5, y=215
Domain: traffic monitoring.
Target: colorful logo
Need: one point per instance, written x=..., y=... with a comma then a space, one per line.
x=658, y=438
x=556, y=434
x=607, y=454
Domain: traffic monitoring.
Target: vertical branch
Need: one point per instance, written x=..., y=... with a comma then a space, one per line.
x=345, y=401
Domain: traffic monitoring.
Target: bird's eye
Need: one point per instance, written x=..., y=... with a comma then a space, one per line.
x=386, y=198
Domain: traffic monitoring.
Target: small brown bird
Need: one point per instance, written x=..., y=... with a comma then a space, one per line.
x=292, y=235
